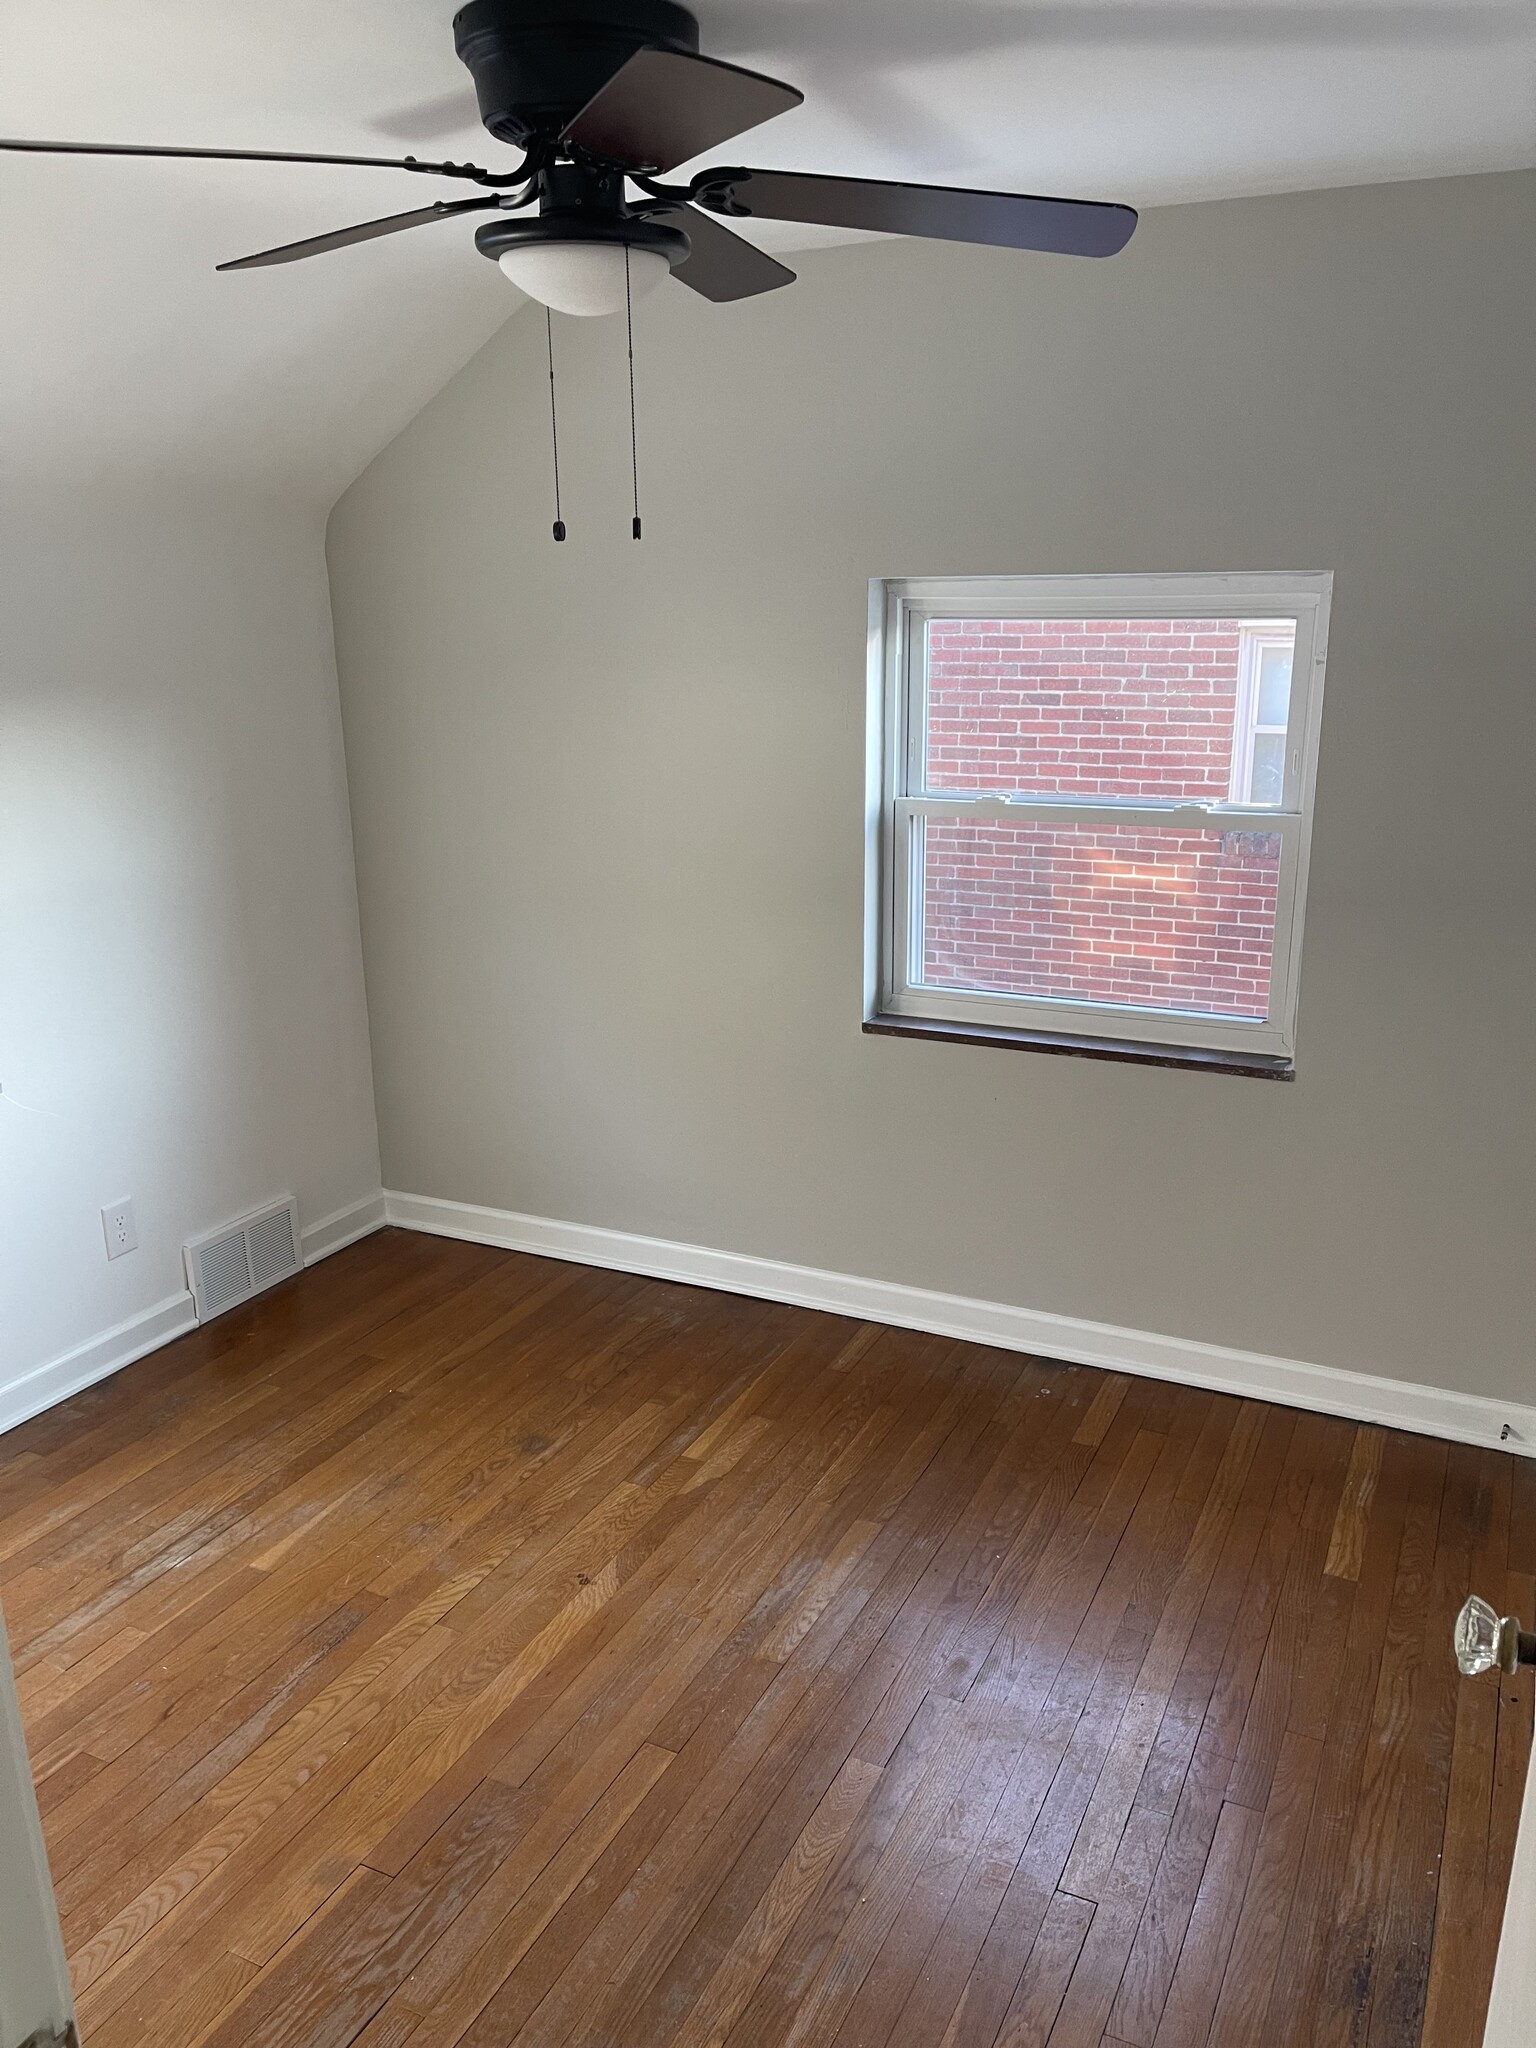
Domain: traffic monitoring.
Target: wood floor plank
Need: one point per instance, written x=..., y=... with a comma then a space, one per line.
x=1045, y=1803
x=94, y=1441
x=1093, y=1852
x=180, y=2010
x=1390, y=1776
x=439, y=1601
x=1031, y=2016
x=1258, y=1548
x=1128, y=1598
x=257, y=1372
x=458, y=1649
x=795, y=1882
x=119, y=1834
x=1219, y=1626
x=1404, y=1923
x=1186, y=2013
x=159, y=1590
x=472, y=1961
x=1347, y=1698
x=1173, y=1902
x=1122, y=1897
x=890, y=1609
x=700, y=1735
x=1248, y=1980
x=1346, y=1543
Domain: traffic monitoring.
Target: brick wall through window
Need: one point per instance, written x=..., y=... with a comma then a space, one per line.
x=1171, y=917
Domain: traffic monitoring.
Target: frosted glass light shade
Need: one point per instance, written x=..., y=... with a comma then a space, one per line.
x=582, y=277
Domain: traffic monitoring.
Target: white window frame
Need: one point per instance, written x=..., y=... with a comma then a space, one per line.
x=898, y=801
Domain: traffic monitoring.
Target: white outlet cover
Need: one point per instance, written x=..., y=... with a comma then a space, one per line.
x=119, y=1229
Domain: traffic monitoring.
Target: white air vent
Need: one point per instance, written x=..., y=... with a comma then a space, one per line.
x=230, y=1265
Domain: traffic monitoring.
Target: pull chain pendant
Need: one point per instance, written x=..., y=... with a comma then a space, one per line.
x=635, y=528
x=554, y=422
x=634, y=450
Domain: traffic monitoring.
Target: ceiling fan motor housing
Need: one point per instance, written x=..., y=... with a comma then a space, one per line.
x=536, y=63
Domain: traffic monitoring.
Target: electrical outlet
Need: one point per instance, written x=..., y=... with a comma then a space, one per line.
x=121, y=1233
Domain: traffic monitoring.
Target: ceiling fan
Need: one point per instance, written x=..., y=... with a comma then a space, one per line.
x=602, y=95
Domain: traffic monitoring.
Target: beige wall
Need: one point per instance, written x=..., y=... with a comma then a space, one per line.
x=608, y=798
x=182, y=1017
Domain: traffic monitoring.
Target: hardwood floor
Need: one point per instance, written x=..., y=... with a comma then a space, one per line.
x=459, y=1647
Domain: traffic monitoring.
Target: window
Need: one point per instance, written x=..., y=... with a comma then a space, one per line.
x=1265, y=652
x=1094, y=807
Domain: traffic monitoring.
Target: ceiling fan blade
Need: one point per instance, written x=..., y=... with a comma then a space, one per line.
x=368, y=231
x=664, y=106
x=721, y=265
x=1008, y=220
x=266, y=156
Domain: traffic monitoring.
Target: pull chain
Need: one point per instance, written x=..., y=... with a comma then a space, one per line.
x=634, y=450
x=554, y=424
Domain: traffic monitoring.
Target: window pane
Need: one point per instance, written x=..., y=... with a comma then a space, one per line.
x=1274, y=685
x=1085, y=707
x=1162, y=918
x=1266, y=785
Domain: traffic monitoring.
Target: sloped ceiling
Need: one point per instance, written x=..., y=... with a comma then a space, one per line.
x=121, y=351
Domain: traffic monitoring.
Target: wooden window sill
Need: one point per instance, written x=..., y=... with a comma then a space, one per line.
x=1133, y=1052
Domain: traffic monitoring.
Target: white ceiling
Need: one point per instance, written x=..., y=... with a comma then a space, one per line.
x=120, y=348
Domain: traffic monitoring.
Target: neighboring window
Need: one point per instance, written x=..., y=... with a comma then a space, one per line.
x=1265, y=654
x=1096, y=800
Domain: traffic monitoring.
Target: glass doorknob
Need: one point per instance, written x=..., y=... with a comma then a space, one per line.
x=1485, y=1639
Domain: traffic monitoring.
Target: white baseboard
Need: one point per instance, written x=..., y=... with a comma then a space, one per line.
x=110, y=1352
x=1294, y=1383
x=342, y=1227
x=1331, y=1390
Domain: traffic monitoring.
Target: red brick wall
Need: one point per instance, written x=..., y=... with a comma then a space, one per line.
x=1169, y=918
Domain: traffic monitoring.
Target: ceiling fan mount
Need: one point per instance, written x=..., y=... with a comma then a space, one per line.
x=536, y=64
x=584, y=202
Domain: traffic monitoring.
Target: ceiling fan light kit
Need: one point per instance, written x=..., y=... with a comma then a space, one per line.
x=602, y=96
x=582, y=278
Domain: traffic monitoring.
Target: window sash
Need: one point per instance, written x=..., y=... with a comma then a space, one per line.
x=898, y=619
x=908, y=632
x=908, y=995
x=1082, y=810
